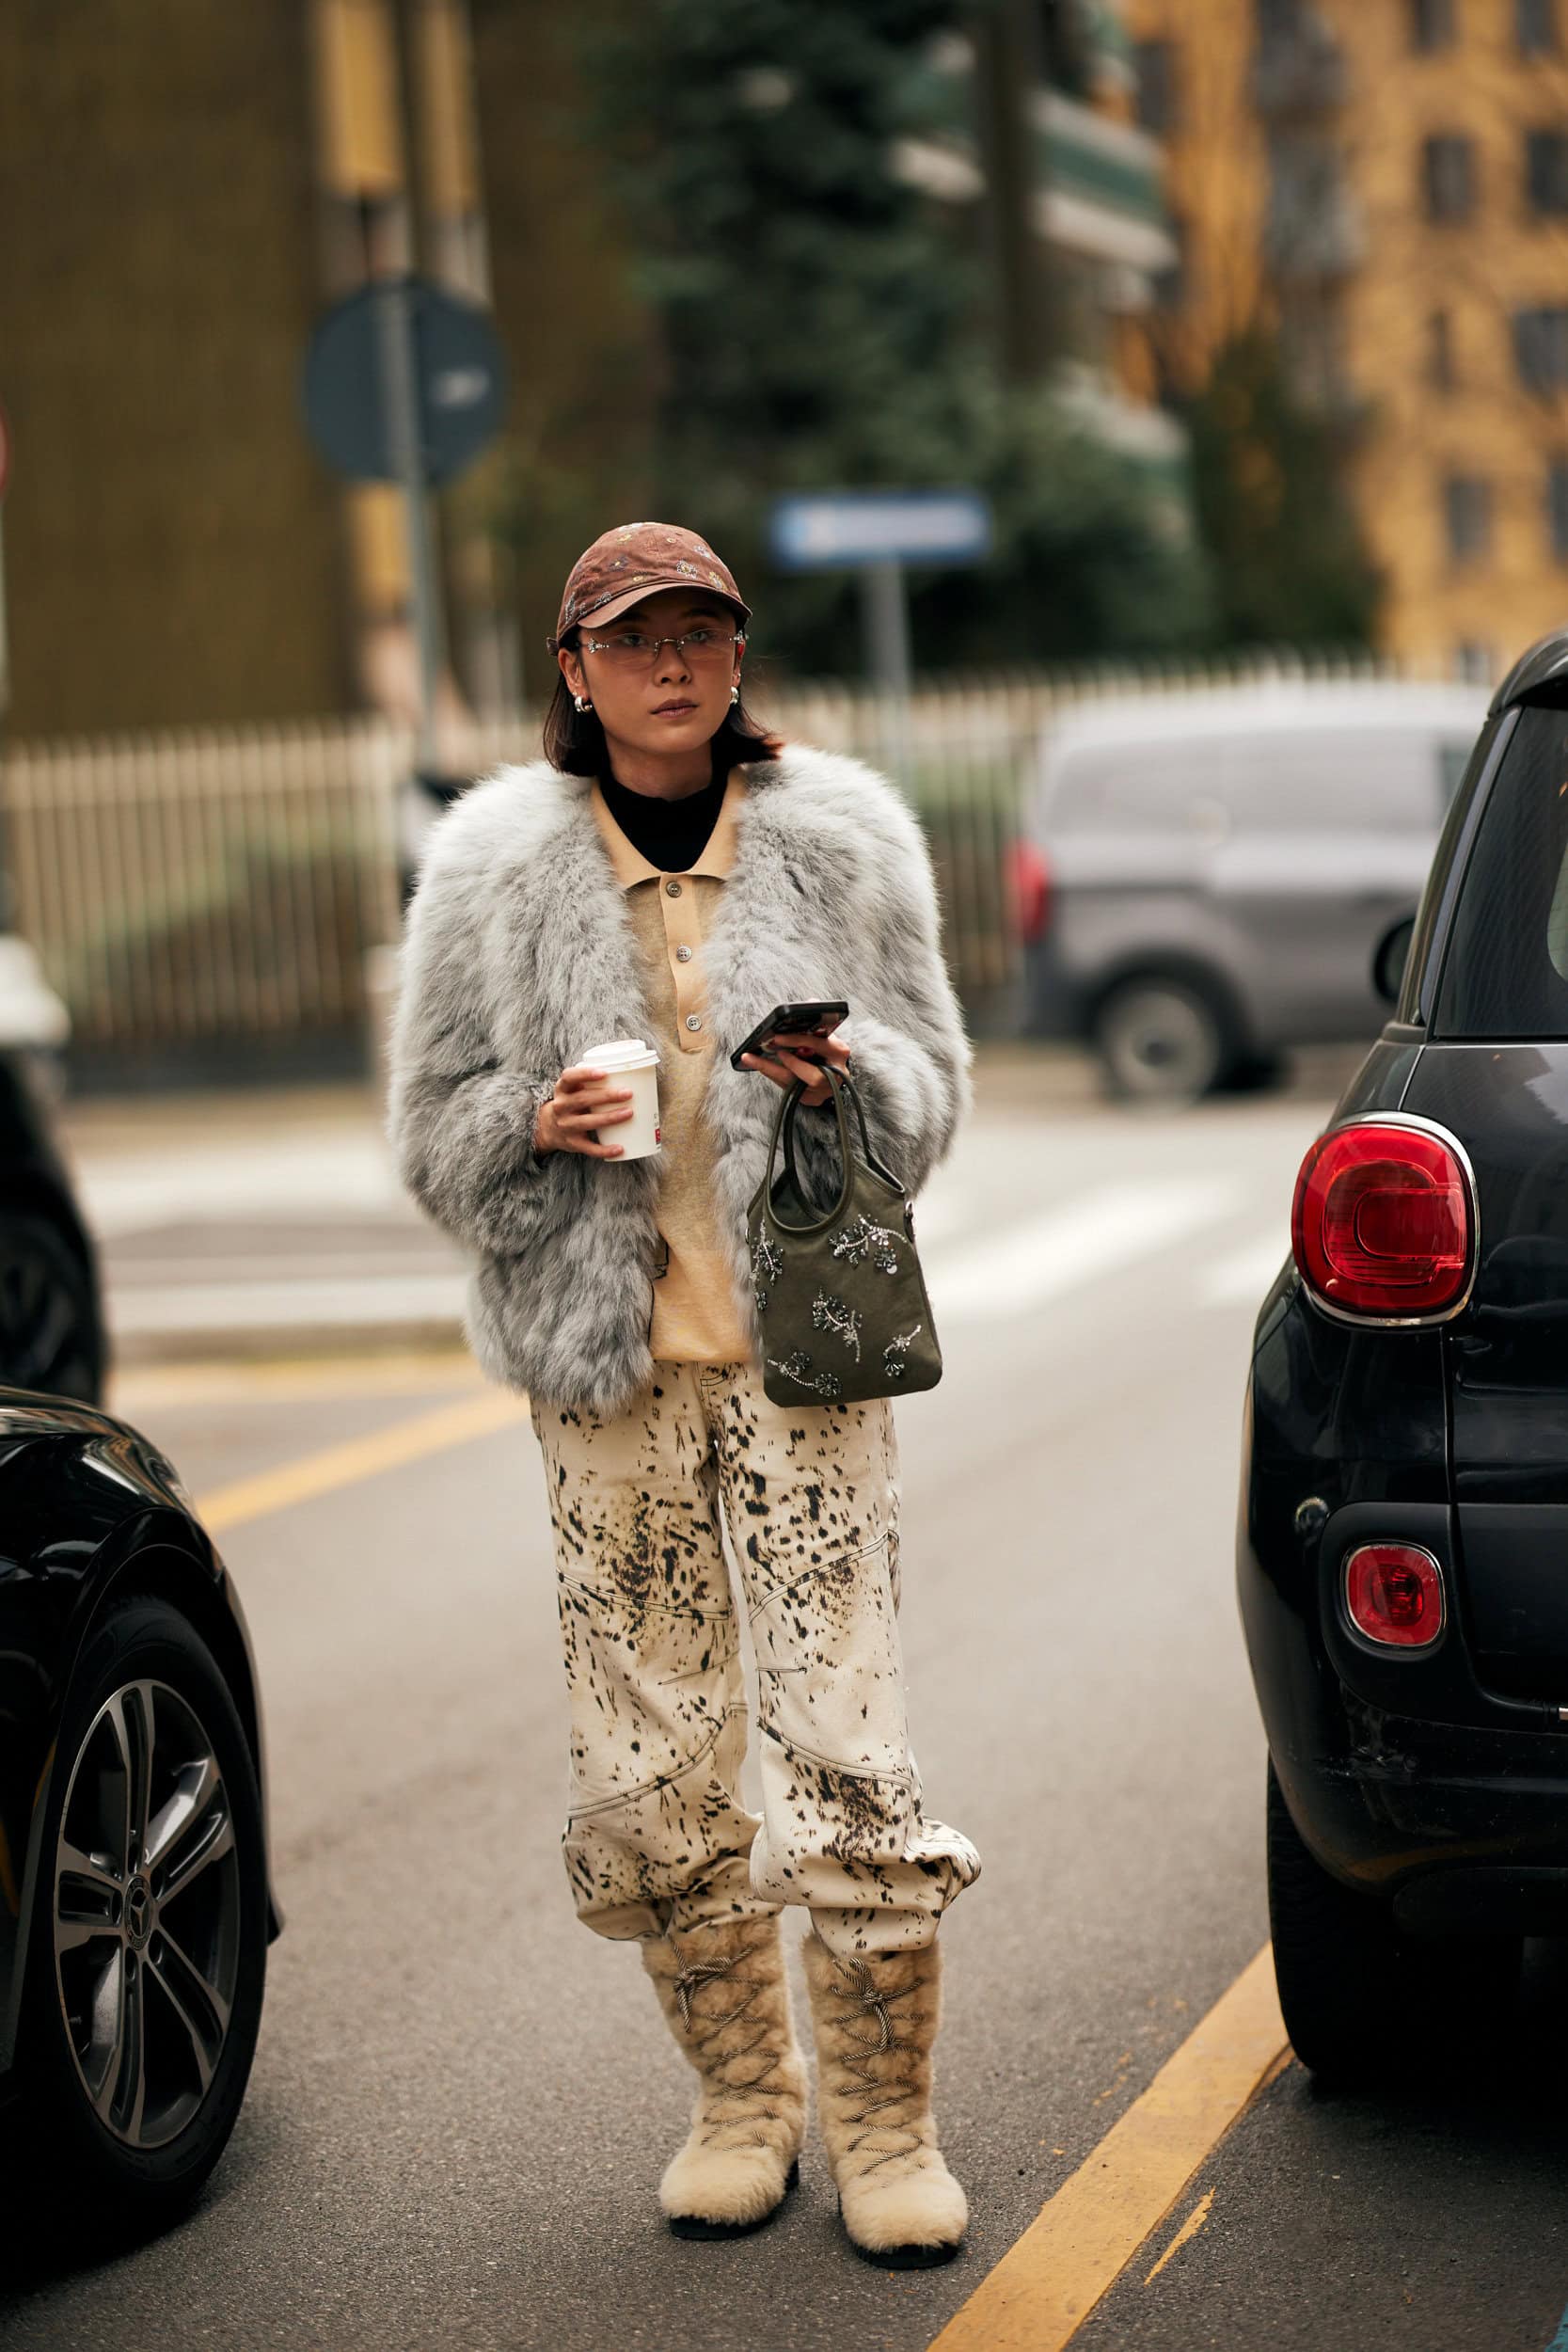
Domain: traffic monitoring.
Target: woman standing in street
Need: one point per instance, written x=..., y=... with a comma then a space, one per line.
x=670, y=873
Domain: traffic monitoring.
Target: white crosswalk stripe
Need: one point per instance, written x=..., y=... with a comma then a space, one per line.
x=1071, y=1245
x=1246, y=1273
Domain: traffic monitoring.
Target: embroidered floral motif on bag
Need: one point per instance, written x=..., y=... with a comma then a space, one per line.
x=831, y=1313
x=858, y=1240
x=895, y=1351
x=767, y=1266
x=797, y=1367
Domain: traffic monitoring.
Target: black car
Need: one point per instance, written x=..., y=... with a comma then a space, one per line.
x=1403, y=1546
x=135, y=1905
x=52, y=1332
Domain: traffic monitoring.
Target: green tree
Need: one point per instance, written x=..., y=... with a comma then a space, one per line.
x=1286, y=554
x=823, y=323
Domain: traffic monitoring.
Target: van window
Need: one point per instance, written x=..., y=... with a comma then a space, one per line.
x=1325, y=780
x=1505, y=974
x=1137, y=788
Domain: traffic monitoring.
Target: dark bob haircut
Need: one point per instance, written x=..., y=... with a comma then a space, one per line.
x=574, y=739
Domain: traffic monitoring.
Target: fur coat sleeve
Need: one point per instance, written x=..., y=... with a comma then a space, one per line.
x=910, y=1056
x=461, y=1113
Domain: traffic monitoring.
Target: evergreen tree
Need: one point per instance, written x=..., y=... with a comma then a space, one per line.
x=822, y=324
x=1288, y=557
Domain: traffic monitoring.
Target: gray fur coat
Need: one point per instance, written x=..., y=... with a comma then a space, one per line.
x=519, y=953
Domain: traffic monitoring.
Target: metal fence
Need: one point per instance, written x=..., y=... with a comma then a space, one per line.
x=193, y=887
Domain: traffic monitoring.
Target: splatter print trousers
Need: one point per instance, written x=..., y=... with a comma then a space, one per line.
x=657, y=1835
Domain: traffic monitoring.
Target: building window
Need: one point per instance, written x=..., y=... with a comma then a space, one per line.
x=1541, y=349
x=1431, y=23
x=1535, y=27
x=1546, y=170
x=1557, y=506
x=1154, y=63
x=1449, y=176
x=1439, y=363
x=1467, y=509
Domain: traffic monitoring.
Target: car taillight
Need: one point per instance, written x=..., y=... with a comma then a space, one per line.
x=1384, y=1221
x=1394, y=1593
x=1027, y=883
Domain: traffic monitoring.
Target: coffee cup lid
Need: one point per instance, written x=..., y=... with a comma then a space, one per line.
x=618, y=1053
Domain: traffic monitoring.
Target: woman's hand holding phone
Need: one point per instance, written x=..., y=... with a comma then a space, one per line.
x=800, y=1055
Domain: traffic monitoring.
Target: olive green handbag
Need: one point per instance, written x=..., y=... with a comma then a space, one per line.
x=841, y=1300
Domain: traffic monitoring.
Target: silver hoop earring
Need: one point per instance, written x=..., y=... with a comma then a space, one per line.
x=582, y=702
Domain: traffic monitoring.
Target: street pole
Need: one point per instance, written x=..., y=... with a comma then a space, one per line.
x=7, y=895
x=1009, y=74
x=400, y=377
x=885, y=606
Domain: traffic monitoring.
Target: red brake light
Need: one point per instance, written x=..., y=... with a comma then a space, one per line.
x=1394, y=1593
x=1026, y=878
x=1384, y=1221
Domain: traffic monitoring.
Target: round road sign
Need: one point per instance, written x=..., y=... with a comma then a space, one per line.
x=460, y=380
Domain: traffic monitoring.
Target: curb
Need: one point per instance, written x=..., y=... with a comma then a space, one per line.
x=258, y=1343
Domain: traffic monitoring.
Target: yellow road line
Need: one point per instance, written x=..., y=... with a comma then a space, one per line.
x=1189, y=2229
x=1045, y=2286
x=359, y=1457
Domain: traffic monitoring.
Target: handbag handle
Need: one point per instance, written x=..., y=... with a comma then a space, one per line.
x=881, y=1167
x=839, y=1078
x=787, y=1112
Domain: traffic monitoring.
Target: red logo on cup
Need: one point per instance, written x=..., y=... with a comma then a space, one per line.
x=657, y=1136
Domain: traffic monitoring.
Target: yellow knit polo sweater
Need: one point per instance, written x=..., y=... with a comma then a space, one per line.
x=696, y=1318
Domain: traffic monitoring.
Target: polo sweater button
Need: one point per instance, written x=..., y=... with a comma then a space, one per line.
x=683, y=955
x=693, y=1020
x=673, y=889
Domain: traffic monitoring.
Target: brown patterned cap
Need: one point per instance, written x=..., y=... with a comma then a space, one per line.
x=637, y=560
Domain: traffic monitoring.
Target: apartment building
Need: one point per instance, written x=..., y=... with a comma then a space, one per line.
x=186, y=190
x=1388, y=185
x=1067, y=197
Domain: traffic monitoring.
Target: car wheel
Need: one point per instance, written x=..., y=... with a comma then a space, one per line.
x=1362, y=2002
x=51, y=1335
x=1161, y=1040
x=147, y=1949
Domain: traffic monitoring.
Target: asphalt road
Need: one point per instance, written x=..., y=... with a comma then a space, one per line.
x=462, y=2101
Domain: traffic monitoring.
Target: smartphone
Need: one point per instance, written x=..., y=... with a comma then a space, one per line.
x=822, y=1017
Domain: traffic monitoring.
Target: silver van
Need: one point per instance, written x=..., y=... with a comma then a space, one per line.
x=1203, y=879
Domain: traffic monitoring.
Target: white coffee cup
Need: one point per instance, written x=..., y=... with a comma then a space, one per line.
x=630, y=1063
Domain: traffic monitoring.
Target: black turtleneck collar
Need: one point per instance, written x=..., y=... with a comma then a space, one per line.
x=669, y=834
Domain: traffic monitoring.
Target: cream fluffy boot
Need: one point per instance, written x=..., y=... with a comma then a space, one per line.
x=724, y=1991
x=875, y=2019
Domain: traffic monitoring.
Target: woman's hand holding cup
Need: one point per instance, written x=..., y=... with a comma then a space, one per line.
x=583, y=1099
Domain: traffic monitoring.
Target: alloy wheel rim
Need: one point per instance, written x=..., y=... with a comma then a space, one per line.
x=146, y=1905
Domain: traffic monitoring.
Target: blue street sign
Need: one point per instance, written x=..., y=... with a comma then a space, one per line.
x=845, y=529
x=458, y=381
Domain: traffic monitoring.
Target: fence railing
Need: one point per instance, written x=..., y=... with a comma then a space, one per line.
x=204, y=885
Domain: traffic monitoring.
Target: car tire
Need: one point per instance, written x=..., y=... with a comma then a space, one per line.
x=51, y=1330
x=1160, y=1039
x=178, y=1961
x=1254, y=1073
x=1362, y=2002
